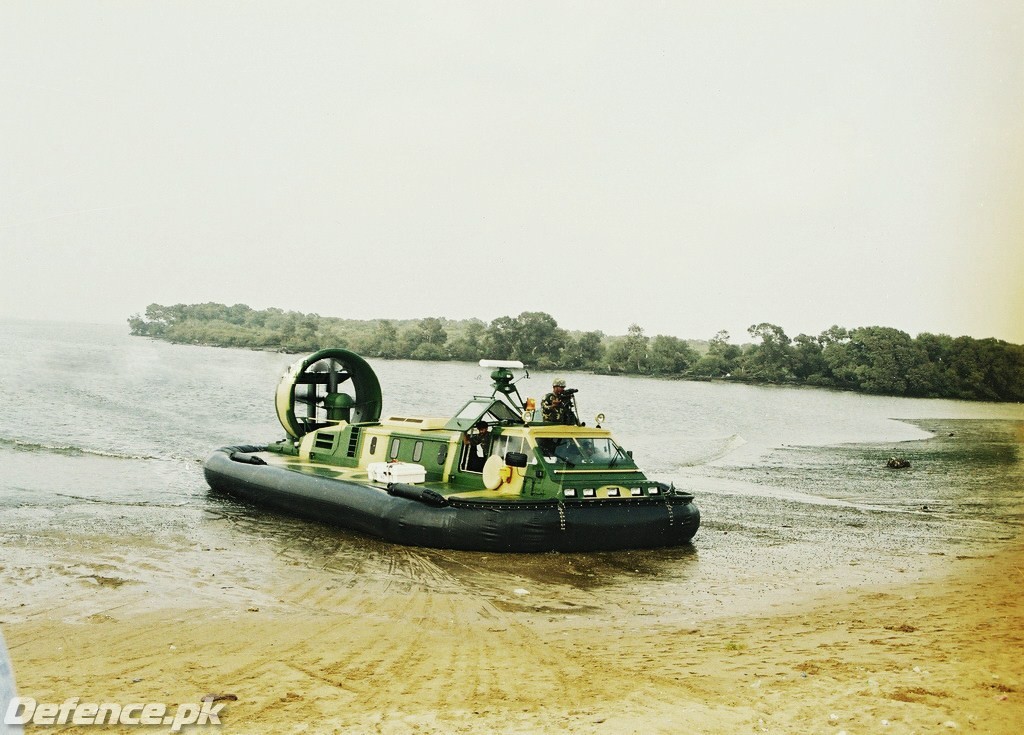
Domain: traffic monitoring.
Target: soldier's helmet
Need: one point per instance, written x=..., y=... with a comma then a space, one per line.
x=558, y=382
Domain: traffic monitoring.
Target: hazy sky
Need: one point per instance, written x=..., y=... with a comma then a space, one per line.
x=689, y=166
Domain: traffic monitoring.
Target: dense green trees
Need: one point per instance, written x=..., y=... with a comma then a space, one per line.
x=630, y=353
x=771, y=359
x=721, y=358
x=583, y=351
x=868, y=359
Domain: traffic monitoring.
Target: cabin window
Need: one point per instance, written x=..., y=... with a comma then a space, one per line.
x=417, y=451
x=505, y=444
x=395, y=444
x=470, y=411
x=597, y=452
x=483, y=410
x=373, y=445
x=442, y=454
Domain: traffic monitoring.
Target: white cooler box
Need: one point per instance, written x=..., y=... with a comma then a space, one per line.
x=388, y=472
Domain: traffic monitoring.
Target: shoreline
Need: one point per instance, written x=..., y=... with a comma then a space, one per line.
x=935, y=654
x=867, y=614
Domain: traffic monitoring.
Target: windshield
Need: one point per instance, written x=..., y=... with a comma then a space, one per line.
x=483, y=409
x=592, y=453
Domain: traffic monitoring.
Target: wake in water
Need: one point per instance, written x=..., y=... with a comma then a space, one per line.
x=668, y=454
x=70, y=450
x=717, y=448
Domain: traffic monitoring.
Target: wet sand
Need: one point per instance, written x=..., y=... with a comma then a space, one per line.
x=854, y=609
x=939, y=654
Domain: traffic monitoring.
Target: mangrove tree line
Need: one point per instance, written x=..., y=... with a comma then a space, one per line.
x=879, y=360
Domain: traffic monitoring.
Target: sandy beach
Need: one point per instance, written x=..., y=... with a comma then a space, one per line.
x=823, y=593
x=942, y=653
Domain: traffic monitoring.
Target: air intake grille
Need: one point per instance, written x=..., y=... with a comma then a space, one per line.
x=353, y=441
x=324, y=441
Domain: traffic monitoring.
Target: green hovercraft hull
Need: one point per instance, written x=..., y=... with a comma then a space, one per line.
x=416, y=515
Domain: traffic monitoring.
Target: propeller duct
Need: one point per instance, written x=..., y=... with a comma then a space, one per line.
x=328, y=386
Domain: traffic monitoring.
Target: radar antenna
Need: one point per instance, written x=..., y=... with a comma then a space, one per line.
x=504, y=380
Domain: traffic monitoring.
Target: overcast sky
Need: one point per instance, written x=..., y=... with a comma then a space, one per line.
x=689, y=166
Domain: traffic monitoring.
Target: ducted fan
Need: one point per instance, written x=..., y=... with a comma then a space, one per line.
x=327, y=387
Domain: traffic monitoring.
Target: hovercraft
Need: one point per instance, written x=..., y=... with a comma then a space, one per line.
x=493, y=477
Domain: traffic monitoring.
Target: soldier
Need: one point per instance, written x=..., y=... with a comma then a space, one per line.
x=557, y=405
x=477, y=443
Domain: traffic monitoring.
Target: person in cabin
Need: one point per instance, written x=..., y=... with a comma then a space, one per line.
x=557, y=405
x=477, y=441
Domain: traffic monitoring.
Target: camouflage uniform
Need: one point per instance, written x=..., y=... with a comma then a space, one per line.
x=560, y=413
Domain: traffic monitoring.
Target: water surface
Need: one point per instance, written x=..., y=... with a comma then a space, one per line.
x=103, y=505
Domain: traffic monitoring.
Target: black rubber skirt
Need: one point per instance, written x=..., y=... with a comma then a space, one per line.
x=417, y=516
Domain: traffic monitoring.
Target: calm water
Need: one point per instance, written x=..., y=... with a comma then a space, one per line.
x=102, y=436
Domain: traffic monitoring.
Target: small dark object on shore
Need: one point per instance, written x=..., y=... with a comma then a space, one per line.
x=219, y=698
x=897, y=463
